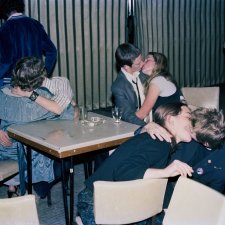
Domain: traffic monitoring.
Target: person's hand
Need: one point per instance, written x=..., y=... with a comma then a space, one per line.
x=156, y=131
x=178, y=168
x=19, y=92
x=5, y=139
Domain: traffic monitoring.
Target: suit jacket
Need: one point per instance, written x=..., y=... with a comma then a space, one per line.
x=208, y=166
x=126, y=99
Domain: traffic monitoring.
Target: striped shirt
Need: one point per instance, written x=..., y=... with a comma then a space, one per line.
x=61, y=89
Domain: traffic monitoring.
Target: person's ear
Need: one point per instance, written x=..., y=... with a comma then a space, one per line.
x=170, y=120
x=126, y=68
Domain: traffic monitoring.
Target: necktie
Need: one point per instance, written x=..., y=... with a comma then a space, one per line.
x=139, y=97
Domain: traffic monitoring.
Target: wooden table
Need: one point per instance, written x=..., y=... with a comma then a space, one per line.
x=63, y=139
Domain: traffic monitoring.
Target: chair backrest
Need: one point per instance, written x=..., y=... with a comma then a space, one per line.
x=19, y=211
x=128, y=201
x=8, y=168
x=207, y=97
x=196, y=204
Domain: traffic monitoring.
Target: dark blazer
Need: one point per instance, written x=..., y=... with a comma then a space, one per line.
x=208, y=165
x=126, y=99
x=132, y=159
x=211, y=170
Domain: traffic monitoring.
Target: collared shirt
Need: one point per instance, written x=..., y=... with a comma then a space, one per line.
x=61, y=89
x=14, y=15
x=135, y=78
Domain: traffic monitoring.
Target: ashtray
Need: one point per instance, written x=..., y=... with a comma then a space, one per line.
x=93, y=121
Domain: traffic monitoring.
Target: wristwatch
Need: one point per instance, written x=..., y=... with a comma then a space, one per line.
x=33, y=96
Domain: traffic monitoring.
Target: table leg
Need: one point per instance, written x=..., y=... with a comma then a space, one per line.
x=71, y=191
x=29, y=169
x=64, y=192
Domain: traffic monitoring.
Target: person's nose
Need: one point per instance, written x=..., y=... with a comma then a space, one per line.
x=142, y=64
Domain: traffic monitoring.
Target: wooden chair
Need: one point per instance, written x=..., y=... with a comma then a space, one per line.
x=202, y=96
x=196, y=204
x=8, y=169
x=19, y=211
x=128, y=201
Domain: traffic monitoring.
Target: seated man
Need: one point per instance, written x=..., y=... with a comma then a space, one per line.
x=52, y=99
x=127, y=89
x=144, y=157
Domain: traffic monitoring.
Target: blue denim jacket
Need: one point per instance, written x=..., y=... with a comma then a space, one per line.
x=18, y=110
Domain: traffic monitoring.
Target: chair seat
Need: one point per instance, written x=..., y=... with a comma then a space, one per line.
x=207, y=97
x=8, y=168
x=20, y=211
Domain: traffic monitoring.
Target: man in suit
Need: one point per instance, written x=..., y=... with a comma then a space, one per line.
x=127, y=89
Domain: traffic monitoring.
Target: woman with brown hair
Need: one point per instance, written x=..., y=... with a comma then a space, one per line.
x=160, y=88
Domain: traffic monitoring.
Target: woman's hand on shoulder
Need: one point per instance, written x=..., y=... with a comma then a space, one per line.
x=156, y=131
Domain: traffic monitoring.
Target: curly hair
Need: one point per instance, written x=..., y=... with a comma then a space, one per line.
x=8, y=6
x=208, y=126
x=29, y=73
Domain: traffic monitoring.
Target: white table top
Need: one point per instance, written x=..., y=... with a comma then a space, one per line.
x=65, y=135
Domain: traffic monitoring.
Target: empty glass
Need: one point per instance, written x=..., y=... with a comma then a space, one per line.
x=83, y=113
x=116, y=114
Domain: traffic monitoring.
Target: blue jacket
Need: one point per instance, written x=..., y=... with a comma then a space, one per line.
x=211, y=170
x=126, y=99
x=208, y=165
x=22, y=36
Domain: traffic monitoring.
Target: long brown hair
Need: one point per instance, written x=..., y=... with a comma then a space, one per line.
x=162, y=113
x=160, y=69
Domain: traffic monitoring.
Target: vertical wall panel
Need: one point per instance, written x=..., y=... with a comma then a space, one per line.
x=190, y=33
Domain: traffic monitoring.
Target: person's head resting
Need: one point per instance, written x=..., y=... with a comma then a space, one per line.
x=129, y=57
x=9, y=6
x=208, y=127
x=29, y=73
x=175, y=118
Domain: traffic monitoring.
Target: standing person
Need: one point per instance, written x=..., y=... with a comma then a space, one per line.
x=22, y=36
x=127, y=89
x=160, y=88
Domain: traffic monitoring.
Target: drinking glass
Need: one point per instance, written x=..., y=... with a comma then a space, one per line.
x=83, y=113
x=116, y=114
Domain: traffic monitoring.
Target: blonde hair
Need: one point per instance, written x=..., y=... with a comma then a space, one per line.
x=209, y=127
